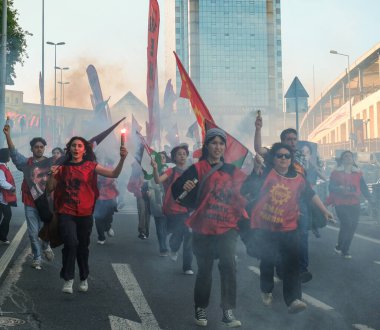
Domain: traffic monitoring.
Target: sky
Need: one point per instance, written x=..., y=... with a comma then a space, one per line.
x=112, y=36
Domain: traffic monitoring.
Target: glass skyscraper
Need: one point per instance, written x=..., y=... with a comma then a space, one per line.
x=232, y=51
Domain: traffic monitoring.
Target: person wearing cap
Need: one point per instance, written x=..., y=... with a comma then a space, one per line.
x=7, y=195
x=175, y=213
x=218, y=206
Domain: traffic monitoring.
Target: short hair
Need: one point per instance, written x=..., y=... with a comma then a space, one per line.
x=36, y=140
x=4, y=155
x=174, y=151
x=287, y=131
x=58, y=149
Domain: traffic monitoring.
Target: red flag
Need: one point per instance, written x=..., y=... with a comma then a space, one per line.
x=148, y=149
x=152, y=78
x=188, y=91
x=235, y=152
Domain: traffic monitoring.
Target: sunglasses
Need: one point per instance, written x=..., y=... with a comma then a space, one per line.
x=281, y=156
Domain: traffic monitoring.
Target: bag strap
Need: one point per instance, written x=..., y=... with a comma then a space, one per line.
x=203, y=181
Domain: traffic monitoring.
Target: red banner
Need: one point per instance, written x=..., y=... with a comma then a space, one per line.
x=188, y=91
x=152, y=79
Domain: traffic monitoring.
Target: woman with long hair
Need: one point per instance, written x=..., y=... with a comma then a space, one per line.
x=274, y=206
x=346, y=185
x=218, y=208
x=75, y=191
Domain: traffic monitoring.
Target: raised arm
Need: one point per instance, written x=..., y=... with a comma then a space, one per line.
x=157, y=178
x=257, y=141
x=19, y=160
x=115, y=172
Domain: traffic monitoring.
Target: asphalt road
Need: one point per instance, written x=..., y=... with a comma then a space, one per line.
x=131, y=287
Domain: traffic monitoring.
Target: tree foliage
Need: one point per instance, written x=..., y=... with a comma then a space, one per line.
x=16, y=41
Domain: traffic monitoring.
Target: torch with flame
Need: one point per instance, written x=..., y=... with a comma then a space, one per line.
x=123, y=136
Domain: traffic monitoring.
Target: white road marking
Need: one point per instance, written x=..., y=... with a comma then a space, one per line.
x=377, y=262
x=362, y=327
x=135, y=295
x=369, y=239
x=309, y=299
x=11, y=249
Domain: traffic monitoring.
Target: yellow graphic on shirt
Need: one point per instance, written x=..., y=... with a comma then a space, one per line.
x=280, y=194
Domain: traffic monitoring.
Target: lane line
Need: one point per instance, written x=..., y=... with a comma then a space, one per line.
x=11, y=249
x=377, y=262
x=135, y=295
x=309, y=299
x=369, y=239
x=362, y=327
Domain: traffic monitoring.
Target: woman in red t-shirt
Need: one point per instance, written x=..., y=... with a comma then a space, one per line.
x=75, y=192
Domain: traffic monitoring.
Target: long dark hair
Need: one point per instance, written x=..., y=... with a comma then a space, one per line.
x=340, y=159
x=205, y=151
x=89, y=153
x=273, y=151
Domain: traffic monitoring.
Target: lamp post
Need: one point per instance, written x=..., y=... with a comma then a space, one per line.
x=366, y=133
x=349, y=92
x=59, y=68
x=63, y=91
x=55, y=67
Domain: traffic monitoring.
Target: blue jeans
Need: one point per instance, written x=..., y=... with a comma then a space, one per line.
x=34, y=225
x=161, y=233
x=303, y=232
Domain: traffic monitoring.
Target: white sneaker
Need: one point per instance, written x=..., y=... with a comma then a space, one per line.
x=36, y=264
x=68, y=286
x=83, y=286
x=267, y=298
x=111, y=233
x=174, y=256
x=188, y=272
x=101, y=242
x=49, y=254
x=296, y=306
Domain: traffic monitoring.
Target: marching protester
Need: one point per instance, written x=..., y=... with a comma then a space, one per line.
x=7, y=195
x=175, y=213
x=274, y=204
x=156, y=199
x=213, y=190
x=33, y=220
x=75, y=191
x=346, y=185
x=105, y=205
x=134, y=186
x=57, y=153
x=289, y=137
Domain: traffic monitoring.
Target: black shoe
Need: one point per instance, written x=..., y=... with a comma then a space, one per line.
x=142, y=236
x=200, y=317
x=316, y=233
x=229, y=319
x=306, y=276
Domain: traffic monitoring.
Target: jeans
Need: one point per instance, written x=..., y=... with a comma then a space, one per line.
x=348, y=216
x=206, y=249
x=103, y=214
x=181, y=233
x=144, y=216
x=286, y=244
x=5, y=217
x=161, y=224
x=303, y=232
x=75, y=233
x=34, y=225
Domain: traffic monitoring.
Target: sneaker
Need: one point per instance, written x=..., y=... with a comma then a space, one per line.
x=174, y=256
x=83, y=286
x=141, y=236
x=188, y=272
x=164, y=254
x=100, y=242
x=5, y=242
x=68, y=286
x=111, y=233
x=296, y=306
x=229, y=319
x=36, y=264
x=347, y=256
x=200, y=317
x=49, y=254
x=267, y=298
x=316, y=232
x=306, y=276
x=337, y=250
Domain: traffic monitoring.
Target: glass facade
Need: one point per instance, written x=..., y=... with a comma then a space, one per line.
x=232, y=50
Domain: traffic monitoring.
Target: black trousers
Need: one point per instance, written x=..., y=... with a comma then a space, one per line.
x=285, y=246
x=5, y=217
x=206, y=249
x=103, y=214
x=348, y=216
x=75, y=233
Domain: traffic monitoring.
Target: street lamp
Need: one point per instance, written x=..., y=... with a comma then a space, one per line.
x=55, y=67
x=349, y=91
x=64, y=68
x=63, y=91
x=366, y=121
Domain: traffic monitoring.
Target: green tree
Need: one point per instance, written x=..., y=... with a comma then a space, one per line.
x=16, y=41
